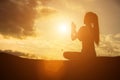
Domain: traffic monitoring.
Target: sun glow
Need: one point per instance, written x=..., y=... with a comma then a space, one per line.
x=62, y=28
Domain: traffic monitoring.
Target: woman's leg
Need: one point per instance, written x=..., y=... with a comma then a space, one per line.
x=72, y=55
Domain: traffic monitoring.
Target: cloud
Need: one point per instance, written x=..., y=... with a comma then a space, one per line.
x=46, y=11
x=110, y=45
x=117, y=2
x=21, y=54
x=17, y=18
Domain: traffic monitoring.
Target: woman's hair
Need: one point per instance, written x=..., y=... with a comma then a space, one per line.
x=92, y=19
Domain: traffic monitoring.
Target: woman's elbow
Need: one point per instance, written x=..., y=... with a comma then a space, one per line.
x=73, y=38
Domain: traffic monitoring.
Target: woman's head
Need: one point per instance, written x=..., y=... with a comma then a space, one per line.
x=92, y=20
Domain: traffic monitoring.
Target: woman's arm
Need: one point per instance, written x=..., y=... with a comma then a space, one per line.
x=73, y=31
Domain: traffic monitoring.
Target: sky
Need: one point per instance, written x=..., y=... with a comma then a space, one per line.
x=42, y=27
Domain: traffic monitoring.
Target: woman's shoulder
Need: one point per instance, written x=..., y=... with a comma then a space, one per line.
x=82, y=28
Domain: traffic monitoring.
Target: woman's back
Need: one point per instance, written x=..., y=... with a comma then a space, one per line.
x=85, y=34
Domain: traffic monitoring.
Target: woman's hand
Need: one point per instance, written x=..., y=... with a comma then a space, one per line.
x=73, y=31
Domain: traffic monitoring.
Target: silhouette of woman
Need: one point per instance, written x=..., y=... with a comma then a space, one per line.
x=88, y=35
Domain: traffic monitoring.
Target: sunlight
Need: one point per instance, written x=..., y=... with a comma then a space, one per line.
x=63, y=28
x=53, y=69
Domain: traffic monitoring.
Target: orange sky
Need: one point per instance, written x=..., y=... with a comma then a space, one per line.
x=52, y=28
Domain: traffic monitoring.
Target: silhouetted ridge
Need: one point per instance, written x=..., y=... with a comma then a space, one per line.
x=99, y=68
